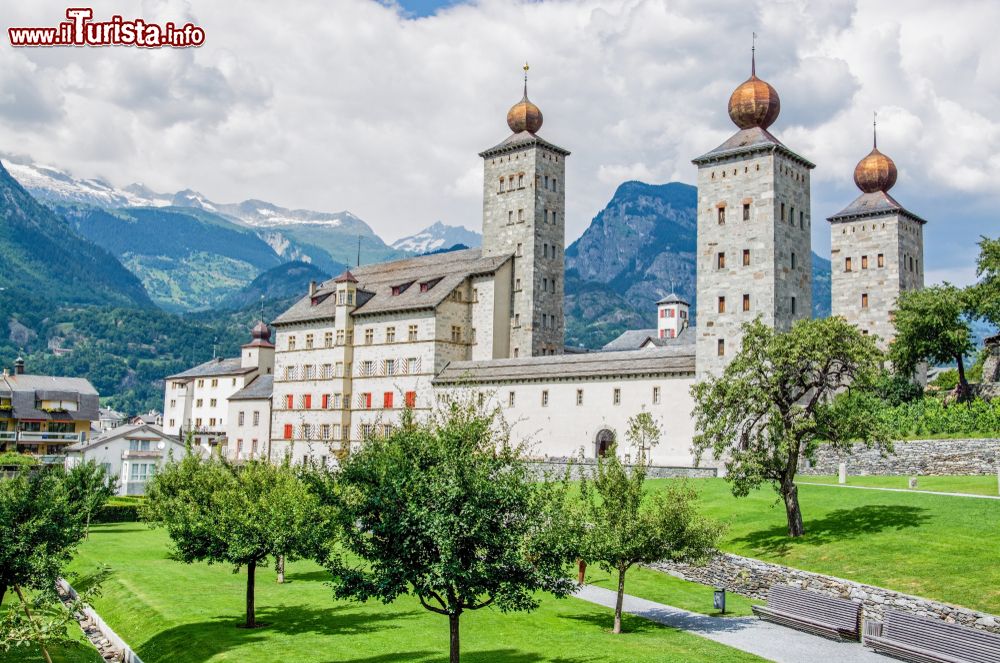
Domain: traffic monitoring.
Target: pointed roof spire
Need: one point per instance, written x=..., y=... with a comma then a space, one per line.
x=346, y=277
x=875, y=130
x=524, y=115
x=753, y=56
x=526, y=68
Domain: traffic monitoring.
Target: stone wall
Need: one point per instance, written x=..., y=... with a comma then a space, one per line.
x=753, y=578
x=914, y=458
x=557, y=467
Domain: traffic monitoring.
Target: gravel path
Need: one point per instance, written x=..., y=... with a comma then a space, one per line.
x=770, y=641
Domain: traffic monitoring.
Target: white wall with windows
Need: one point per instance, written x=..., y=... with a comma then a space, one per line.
x=131, y=453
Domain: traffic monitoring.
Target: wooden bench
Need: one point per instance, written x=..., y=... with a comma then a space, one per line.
x=808, y=611
x=926, y=640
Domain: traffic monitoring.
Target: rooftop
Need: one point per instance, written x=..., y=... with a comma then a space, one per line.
x=259, y=389
x=754, y=139
x=26, y=392
x=670, y=360
x=519, y=140
x=876, y=203
x=377, y=283
x=215, y=367
x=634, y=339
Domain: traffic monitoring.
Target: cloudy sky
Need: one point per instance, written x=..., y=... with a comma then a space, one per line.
x=381, y=107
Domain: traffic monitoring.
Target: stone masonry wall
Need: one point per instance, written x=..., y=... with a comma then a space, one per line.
x=557, y=467
x=753, y=578
x=914, y=458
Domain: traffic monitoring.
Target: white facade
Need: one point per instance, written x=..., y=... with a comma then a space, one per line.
x=671, y=317
x=132, y=453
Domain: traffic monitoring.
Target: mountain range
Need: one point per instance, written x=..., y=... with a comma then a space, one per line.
x=179, y=277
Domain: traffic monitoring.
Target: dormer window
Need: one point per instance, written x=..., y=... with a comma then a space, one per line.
x=427, y=285
x=401, y=288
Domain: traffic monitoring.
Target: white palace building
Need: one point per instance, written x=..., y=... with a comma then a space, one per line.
x=487, y=323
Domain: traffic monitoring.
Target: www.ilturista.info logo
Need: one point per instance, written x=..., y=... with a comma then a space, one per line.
x=80, y=30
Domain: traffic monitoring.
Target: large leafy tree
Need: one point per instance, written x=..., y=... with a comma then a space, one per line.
x=445, y=510
x=89, y=487
x=984, y=296
x=931, y=326
x=244, y=515
x=774, y=404
x=625, y=526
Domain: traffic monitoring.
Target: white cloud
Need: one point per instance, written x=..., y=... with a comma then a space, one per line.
x=354, y=105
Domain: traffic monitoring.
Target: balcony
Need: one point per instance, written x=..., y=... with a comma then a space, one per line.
x=41, y=437
x=146, y=453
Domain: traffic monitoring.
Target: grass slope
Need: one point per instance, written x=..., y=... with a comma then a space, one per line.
x=935, y=546
x=170, y=611
x=81, y=651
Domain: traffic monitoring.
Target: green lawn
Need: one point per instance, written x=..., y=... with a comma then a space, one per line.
x=936, y=546
x=665, y=588
x=170, y=611
x=973, y=485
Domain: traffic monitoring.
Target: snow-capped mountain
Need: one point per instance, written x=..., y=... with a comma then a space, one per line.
x=438, y=236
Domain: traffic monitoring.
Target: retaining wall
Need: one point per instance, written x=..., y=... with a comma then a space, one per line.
x=752, y=577
x=557, y=467
x=913, y=458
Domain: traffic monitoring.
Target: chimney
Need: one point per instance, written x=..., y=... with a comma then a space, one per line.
x=19, y=366
x=312, y=288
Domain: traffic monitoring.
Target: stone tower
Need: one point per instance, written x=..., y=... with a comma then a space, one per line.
x=876, y=250
x=524, y=204
x=754, y=248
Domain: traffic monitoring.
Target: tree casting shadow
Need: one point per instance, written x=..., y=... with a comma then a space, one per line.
x=838, y=525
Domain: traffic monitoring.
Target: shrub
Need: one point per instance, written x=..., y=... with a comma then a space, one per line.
x=117, y=513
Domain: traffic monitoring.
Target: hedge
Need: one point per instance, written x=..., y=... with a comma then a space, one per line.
x=117, y=513
x=930, y=416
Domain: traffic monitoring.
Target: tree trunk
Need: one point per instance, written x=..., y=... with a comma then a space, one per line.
x=86, y=527
x=964, y=392
x=31, y=620
x=251, y=617
x=3, y=591
x=281, y=569
x=790, y=492
x=581, y=575
x=618, y=601
x=453, y=627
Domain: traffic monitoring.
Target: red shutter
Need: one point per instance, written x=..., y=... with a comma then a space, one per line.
x=387, y=400
x=326, y=401
x=411, y=399
x=307, y=400
x=288, y=431
x=289, y=402
x=368, y=400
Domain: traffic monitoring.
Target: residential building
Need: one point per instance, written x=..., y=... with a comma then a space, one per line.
x=196, y=401
x=248, y=422
x=132, y=453
x=41, y=415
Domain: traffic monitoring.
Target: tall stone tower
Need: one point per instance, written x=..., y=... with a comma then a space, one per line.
x=876, y=250
x=524, y=203
x=754, y=248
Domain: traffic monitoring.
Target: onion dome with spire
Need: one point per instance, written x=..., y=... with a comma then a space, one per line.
x=260, y=335
x=524, y=115
x=876, y=172
x=754, y=103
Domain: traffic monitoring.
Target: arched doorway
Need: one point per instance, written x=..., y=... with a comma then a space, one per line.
x=605, y=438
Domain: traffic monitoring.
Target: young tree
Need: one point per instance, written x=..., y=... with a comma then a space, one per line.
x=774, y=404
x=89, y=487
x=931, y=326
x=39, y=530
x=445, y=510
x=238, y=514
x=643, y=433
x=626, y=526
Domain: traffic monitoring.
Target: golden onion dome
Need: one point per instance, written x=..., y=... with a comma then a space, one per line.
x=524, y=115
x=876, y=172
x=754, y=104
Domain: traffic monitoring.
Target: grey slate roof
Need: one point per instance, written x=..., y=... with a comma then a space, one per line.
x=259, y=389
x=26, y=390
x=672, y=298
x=138, y=431
x=375, y=284
x=656, y=361
x=215, y=367
x=749, y=140
x=633, y=339
x=876, y=203
x=517, y=141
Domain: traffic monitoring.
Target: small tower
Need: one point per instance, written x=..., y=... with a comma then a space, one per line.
x=876, y=250
x=259, y=352
x=524, y=205
x=671, y=316
x=754, y=249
